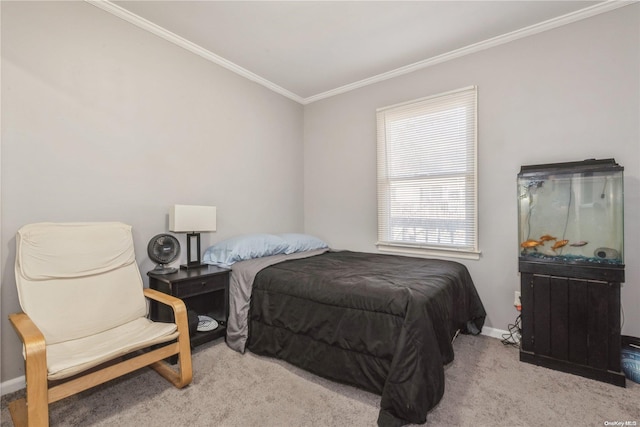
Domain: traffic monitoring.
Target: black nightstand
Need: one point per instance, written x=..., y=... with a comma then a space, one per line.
x=203, y=290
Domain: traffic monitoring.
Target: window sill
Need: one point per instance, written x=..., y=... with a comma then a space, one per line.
x=427, y=252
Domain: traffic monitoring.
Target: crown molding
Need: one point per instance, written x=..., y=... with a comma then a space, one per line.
x=159, y=31
x=550, y=24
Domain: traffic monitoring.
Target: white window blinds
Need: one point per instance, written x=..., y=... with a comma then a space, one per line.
x=427, y=198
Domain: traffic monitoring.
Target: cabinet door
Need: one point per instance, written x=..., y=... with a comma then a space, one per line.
x=526, y=299
x=550, y=317
x=578, y=322
x=571, y=319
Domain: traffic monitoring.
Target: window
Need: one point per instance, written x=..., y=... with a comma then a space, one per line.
x=427, y=198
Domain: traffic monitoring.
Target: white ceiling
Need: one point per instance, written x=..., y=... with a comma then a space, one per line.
x=308, y=50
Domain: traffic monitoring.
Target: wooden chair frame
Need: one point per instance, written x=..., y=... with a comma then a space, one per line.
x=33, y=410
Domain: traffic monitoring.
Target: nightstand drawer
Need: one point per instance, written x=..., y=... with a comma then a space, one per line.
x=200, y=286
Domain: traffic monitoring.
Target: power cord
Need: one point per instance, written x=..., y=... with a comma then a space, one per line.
x=514, y=335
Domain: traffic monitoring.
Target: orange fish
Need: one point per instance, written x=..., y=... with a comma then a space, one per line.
x=559, y=244
x=547, y=237
x=530, y=244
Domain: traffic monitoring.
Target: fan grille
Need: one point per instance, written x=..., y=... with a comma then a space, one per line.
x=163, y=248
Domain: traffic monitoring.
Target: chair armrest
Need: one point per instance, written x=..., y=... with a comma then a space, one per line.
x=178, y=306
x=35, y=361
x=184, y=343
x=29, y=334
x=176, y=303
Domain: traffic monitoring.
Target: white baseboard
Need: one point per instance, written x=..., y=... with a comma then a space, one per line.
x=493, y=332
x=12, y=385
x=19, y=383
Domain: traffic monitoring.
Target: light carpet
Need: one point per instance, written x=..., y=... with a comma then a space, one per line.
x=486, y=385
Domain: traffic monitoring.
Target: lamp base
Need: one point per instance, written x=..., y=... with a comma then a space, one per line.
x=192, y=266
x=197, y=262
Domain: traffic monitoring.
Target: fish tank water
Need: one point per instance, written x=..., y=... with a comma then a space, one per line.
x=572, y=213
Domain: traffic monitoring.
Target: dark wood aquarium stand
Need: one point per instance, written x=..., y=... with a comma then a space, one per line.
x=571, y=318
x=204, y=291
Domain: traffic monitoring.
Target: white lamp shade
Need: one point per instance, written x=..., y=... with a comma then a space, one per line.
x=191, y=218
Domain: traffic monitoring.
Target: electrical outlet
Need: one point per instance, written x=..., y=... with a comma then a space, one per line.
x=516, y=302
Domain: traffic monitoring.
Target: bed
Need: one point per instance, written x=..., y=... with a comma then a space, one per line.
x=384, y=323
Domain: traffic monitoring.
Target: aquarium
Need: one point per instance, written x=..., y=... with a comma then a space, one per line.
x=572, y=213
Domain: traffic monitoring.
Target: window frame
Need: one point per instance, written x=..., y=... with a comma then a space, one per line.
x=385, y=242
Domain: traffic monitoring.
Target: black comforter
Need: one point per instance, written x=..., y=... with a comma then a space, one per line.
x=380, y=322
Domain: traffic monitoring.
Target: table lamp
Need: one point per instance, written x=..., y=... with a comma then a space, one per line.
x=192, y=220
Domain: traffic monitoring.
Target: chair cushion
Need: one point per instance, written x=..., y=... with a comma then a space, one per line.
x=68, y=358
x=66, y=250
x=78, y=279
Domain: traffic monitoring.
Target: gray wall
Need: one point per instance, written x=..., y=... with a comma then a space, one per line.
x=568, y=94
x=104, y=121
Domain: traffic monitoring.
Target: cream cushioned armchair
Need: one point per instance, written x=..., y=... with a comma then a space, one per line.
x=84, y=307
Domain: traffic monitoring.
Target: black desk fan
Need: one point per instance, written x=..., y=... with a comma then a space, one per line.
x=163, y=249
